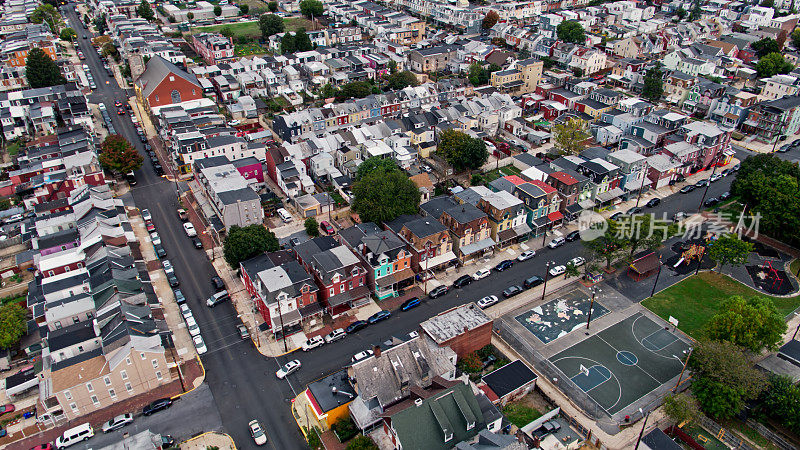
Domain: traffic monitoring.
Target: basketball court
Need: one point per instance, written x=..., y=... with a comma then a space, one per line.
x=560, y=316
x=623, y=363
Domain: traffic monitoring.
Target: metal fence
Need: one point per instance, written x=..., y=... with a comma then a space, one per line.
x=724, y=435
x=772, y=436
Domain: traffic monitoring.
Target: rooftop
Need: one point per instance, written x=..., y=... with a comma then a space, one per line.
x=455, y=321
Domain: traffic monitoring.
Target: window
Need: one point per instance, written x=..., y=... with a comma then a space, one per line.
x=155, y=364
x=129, y=387
x=156, y=97
x=76, y=319
x=74, y=407
x=361, y=281
x=123, y=374
x=158, y=375
x=350, y=284
x=107, y=381
x=143, y=357
x=113, y=394
x=89, y=387
x=80, y=348
x=128, y=362
x=68, y=395
x=95, y=400
x=332, y=291
x=58, y=325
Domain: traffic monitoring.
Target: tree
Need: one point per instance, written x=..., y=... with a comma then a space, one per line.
x=608, y=245
x=302, y=43
x=653, y=84
x=796, y=38
x=273, y=6
x=570, y=136
x=67, y=34
x=145, y=11
x=571, y=31
x=47, y=13
x=355, y=89
x=696, y=11
x=490, y=19
x=375, y=164
x=190, y=16
x=470, y=363
x=781, y=402
x=478, y=76
x=217, y=10
x=270, y=24
x=383, y=196
x=725, y=378
x=641, y=232
x=754, y=324
x=41, y=71
x=311, y=8
x=245, y=242
x=773, y=64
x=244, y=8
x=681, y=408
x=312, y=227
x=766, y=46
x=681, y=13
x=12, y=324
x=548, y=62
x=361, y=442
x=461, y=151
x=392, y=67
x=729, y=250
x=226, y=31
x=399, y=80
x=287, y=44
x=118, y=155
x=571, y=271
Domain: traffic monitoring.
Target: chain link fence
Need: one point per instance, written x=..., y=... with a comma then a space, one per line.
x=724, y=435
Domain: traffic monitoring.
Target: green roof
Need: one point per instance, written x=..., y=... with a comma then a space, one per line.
x=446, y=413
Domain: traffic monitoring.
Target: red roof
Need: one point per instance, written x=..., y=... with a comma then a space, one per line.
x=489, y=393
x=543, y=186
x=564, y=178
x=556, y=215
x=515, y=179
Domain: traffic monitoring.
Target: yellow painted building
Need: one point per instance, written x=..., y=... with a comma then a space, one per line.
x=329, y=399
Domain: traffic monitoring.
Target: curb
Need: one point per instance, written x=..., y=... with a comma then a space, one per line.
x=203, y=368
x=233, y=444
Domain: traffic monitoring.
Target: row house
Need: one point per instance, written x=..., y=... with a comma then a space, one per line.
x=385, y=256
x=507, y=217
x=213, y=47
x=543, y=205
x=428, y=240
x=769, y=119
x=469, y=226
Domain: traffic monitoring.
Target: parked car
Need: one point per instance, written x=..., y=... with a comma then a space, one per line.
x=47, y=446
x=198, y=244
x=189, y=229
x=155, y=238
x=711, y=201
x=686, y=189
x=217, y=298
x=532, y=282
x=288, y=369
x=9, y=408
x=701, y=183
x=199, y=345
x=549, y=427
x=653, y=202
x=244, y=334
x=379, y=316
x=217, y=283
x=725, y=172
x=557, y=270
x=715, y=177
x=156, y=406
x=355, y=326
x=179, y=298
x=146, y=215
x=335, y=335
x=462, y=281
x=326, y=227
x=192, y=326
x=361, y=355
x=526, y=255
x=616, y=216
x=284, y=215
x=577, y=261
x=410, y=303
x=117, y=422
x=735, y=168
x=503, y=265
x=487, y=301
x=312, y=343
x=173, y=280
x=186, y=312
x=557, y=242
x=512, y=291
x=167, y=265
x=257, y=433
x=724, y=196
x=160, y=251
x=678, y=216
x=481, y=273
x=438, y=291
x=634, y=210
x=573, y=236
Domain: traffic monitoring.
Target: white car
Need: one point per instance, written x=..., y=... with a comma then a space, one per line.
x=155, y=238
x=481, y=273
x=117, y=422
x=362, y=355
x=557, y=270
x=487, y=301
x=233, y=123
x=335, y=335
x=288, y=368
x=185, y=311
x=257, y=432
x=715, y=177
x=526, y=255
x=557, y=242
x=191, y=325
x=167, y=265
x=314, y=342
x=189, y=229
x=146, y=215
x=199, y=345
x=577, y=261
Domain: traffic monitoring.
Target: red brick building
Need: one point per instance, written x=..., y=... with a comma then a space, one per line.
x=465, y=329
x=164, y=83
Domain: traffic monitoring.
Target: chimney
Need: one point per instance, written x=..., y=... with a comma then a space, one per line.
x=418, y=402
x=377, y=351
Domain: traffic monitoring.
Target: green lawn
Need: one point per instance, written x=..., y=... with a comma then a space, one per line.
x=239, y=29
x=248, y=49
x=520, y=415
x=795, y=266
x=295, y=23
x=694, y=300
x=704, y=438
x=502, y=172
x=13, y=148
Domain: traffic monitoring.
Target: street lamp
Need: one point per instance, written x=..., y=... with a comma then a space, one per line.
x=546, y=276
x=798, y=327
x=653, y=292
x=685, y=363
x=644, y=425
x=594, y=290
x=715, y=161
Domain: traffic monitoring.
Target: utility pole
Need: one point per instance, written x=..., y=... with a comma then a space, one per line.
x=594, y=291
x=685, y=363
x=653, y=292
x=641, y=433
x=641, y=188
x=546, y=276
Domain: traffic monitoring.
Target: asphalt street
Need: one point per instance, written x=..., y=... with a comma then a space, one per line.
x=242, y=381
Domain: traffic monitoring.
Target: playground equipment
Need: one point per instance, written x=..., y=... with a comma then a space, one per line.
x=770, y=274
x=695, y=251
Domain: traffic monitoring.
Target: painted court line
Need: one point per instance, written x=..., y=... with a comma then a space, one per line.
x=643, y=346
x=637, y=366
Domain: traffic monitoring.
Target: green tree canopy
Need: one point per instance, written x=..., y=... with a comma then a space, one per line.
x=490, y=19
x=392, y=66
x=375, y=164
x=311, y=8
x=608, y=246
x=571, y=31
x=569, y=136
x=681, y=13
x=461, y=151
x=681, y=408
x=302, y=43
x=145, y=11
x=773, y=64
x=729, y=250
x=641, y=232
x=312, y=227
x=653, y=84
x=41, y=71
x=190, y=16
x=67, y=34
x=399, y=80
x=217, y=10
x=246, y=242
x=754, y=324
x=287, y=44
x=118, y=155
x=383, y=196
x=47, y=13
x=244, y=8
x=270, y=24
x=361, y=442
x=226, y=31
x=796, y=38
x=478, y=76
x=354, y=89
x=273, y=6
x=781, y=402
x=766, y=46
x=12, y=324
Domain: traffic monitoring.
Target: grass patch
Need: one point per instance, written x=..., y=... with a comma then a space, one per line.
x=501, y=172
x=13, y=148
x=745, y=430
x=696, y=299
x=795, y=266
x=250, y=29
x=520, y=415
x=704, y=438
x=13, y=299
x=248, y=49
x=295, y=23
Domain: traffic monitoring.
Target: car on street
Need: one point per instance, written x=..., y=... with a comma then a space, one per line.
x=155, y=238
x=8, y=408
x=532, y=282
x=150, y=226
x=503, y=265
x=167, y=265
x=556, y=242
x=725, y=172
x=199, y=345
x=724, y=196
x=121, y=112
x=179, y=298
x=686, y=189
x=526, y=255
x=438, y=291
x=355, y=326
x=314, y=342
x=701, y=183
x=715, y=177
x=511, y=291
x=146, y=215
x=634, y=210
x=487, y=301
x=192, y=326
x=616, y=216
x=481, y=273
x=156, y=406
x=653, y=202
x=186, y=312
x=413, y=302
x=158, y=169
x=557, y=270
x=257, y=433
x=735, y=168
x=198, y=244
x=217, y=298
x=173, y=279
x=117, y=103
x=217, y=283
x=161, y=252
x=577, y=261
x=47, y=446
x=678, y=216
x=361, y=355
x=117, y=422
x=288, y=369
x=335, y=335
x=573, y=236
x=462, y=281
x=189, y=229
x=244, y=334
x=549, y=428
x=711, y=201
x=326, y=227
x=379, y=316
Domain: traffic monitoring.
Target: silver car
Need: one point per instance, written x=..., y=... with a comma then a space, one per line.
x=117, y=422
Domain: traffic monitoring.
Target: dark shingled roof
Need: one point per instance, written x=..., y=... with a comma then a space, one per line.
x=509, y=378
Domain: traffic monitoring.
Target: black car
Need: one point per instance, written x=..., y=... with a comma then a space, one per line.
x=653, y=202
x=217, y=283
x=413, y=302
x=173, y=280
x=634, y=210
x=142, y=138
x=355, y=326
x=158, y=169
x=156, y=406
x=378, y=316
x=573, y=236
x=512, y=291
x=462, y=281
x=438, y=291
x=160, y=251
x=154, y=159
x=686, y=189
x=711, y=201
x=503, y=265
x=197, y=243
x=616, y=216
x=532, y=282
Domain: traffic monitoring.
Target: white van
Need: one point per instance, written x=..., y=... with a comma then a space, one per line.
x=75, y=435
x=284, y=215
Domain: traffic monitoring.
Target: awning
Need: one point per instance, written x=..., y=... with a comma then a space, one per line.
x=348, y=296
x=645, y=264
x=437, y=260
x=522, y=229
x=289, y=318
x=311, y=310
x=574, y=208
x=541, y=221
x=555, y=215
x=587, y=204
x=475, y=247
x=506, y=235
x=609, y=195
x=402, y=275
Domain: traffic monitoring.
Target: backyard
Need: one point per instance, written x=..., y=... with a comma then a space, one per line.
x=251, y=29
x=248, y=49
x=501, y=172
x=694, y=300
x=520, y=414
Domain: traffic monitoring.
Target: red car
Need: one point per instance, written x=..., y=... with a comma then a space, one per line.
x=121, y=112
x=7, y=409
x=326, y=227
x=47, y=446
x=117, y=103
x=151, y=227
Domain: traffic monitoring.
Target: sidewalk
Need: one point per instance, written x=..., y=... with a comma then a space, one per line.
x=208, y=440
